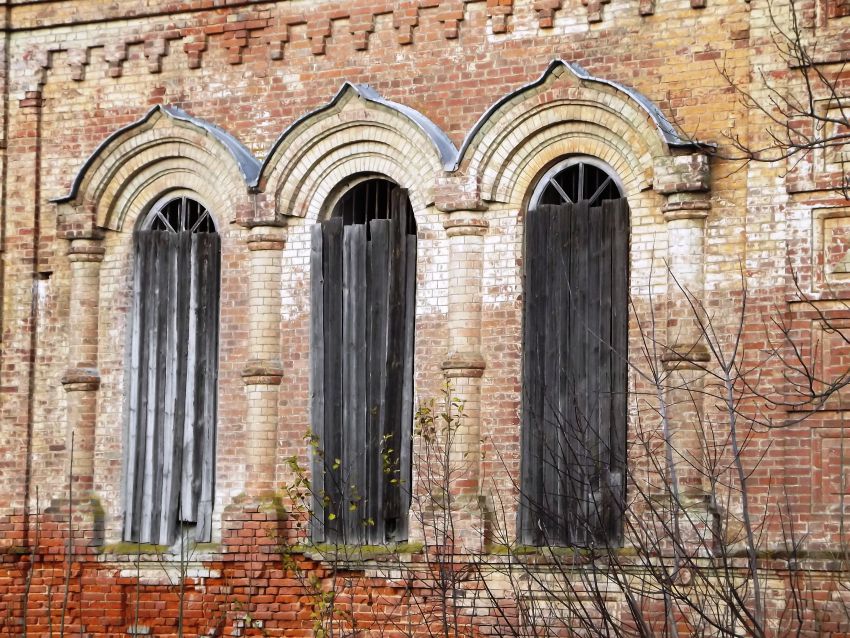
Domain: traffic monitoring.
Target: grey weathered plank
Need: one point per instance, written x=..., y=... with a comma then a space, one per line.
x=619, y=371
x=348, y=426
x=147, y=466
x=404, y=470
x=187, y=504
x=534, y=305
x=360, y=445
x=395, y=352
x=333, y=304
x=317, y=380
x=168, y=467
x=593, y=371
x=605, y=362
x=560, y=281
x=377, y=285
x=205, y=465
x=550, y=285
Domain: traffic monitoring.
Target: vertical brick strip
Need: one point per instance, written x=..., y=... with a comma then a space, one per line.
x=263, y=373
x=81, y=380
x=464, y=367
x=684, y=181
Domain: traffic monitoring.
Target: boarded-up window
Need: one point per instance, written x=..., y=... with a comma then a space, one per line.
x=173, y=375
x=363, y=288
x=574, y=364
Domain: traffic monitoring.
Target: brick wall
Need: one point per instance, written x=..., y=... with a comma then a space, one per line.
x=78, y=72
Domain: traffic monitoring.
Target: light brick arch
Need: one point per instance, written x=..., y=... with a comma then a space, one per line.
x=566, y=111
x=163, y=151
x=356, y=132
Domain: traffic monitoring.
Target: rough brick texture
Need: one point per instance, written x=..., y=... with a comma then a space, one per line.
x=89, y=79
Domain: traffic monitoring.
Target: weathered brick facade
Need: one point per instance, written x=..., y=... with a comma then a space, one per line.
x=259, y=109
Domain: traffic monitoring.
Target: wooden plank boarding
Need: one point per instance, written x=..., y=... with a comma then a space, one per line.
x=317, y=382
x=377, y=285
x=619, y=368
x=170, y=479
x=333, y=316
x=363, y=350
x=575, y=340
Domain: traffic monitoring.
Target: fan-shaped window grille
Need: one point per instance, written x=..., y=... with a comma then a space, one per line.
x=577, y=179
x=575, y=336
x=170, y=451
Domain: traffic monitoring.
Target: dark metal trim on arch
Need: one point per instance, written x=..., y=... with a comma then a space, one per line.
x=668, y=132
x=248, y=165
x=441, y=142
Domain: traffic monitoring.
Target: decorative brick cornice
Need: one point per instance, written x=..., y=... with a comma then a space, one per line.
x=686, y=356
x=81, y=380
x=466, y=226
x=267, y=237
x=681, y=174
x=86, y=249
x=686, y=206
x=464, y=365
x=262, y=372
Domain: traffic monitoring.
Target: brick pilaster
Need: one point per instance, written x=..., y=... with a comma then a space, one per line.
x=263, y=372
x=464, y=365
x=684, y=180
x=81, y=379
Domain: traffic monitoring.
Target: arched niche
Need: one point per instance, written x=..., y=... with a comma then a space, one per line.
x=164, y=151
x=357, y=132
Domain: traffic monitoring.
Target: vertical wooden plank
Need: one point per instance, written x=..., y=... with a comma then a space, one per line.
x=404, y=471
x=360, y=447
x=377, y=290
x=152, y=321
x=552, y=422
x=531, y=476
x=167, y=520
x=138, y=382
x=201, y=374
x=592, y=374
x=206, y=466
x=165, y=247
x=560, y=281
x=182, y=297
x=606, y=360
x=619, y=372
x=583, y=336
x=349, y=372
x=187, y=497
x=395, y=352
x=333, y=316
x=317, y=380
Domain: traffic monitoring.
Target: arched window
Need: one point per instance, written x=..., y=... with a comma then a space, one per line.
x=169, y=462
x=575, y=330
x=363, y=290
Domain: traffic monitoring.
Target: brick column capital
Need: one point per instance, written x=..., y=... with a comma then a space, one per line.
x=267, y=237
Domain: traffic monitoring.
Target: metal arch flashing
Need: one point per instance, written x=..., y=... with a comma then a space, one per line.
x=440, y=141
x=668, y=132
x=248, y=165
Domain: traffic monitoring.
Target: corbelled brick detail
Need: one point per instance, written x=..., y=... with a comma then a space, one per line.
x=267, y=73
x=681, y=174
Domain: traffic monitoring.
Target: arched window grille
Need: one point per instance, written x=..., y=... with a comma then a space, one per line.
x=363, y=290
x=170, y=451
x=575, y=342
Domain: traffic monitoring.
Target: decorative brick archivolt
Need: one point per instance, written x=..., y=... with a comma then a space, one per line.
x=356, y=132
x=164, y=150
x=566, y=111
